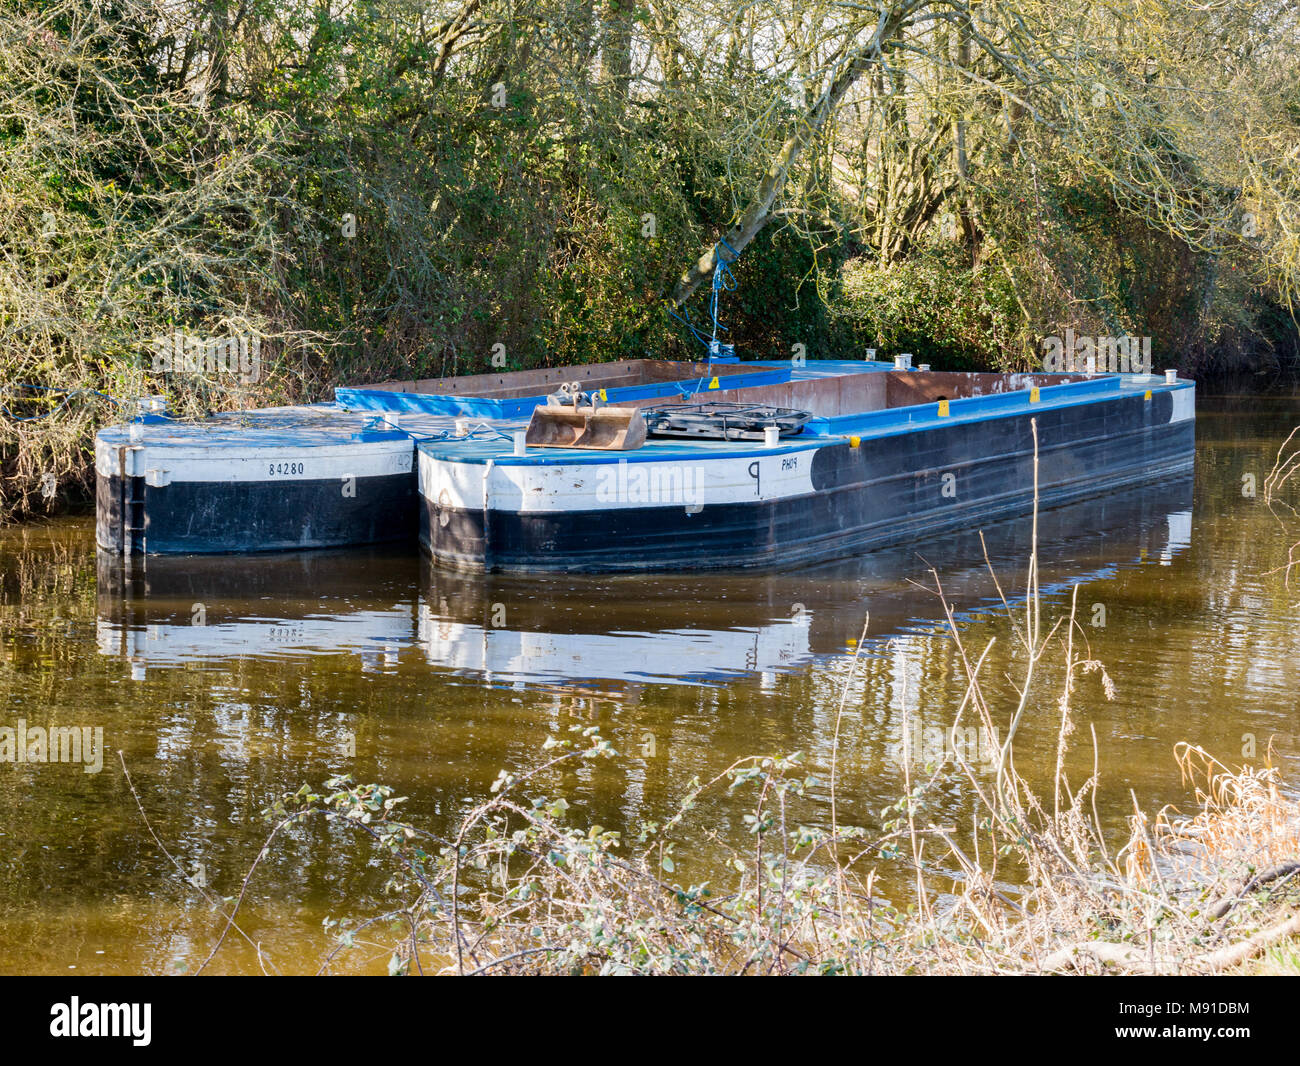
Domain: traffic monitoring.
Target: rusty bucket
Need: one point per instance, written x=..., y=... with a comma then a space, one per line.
x=579, y=425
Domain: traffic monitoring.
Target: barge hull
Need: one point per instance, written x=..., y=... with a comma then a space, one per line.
x=848, y=497
x=204, y=517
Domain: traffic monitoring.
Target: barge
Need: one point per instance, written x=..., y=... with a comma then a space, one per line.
x=881, y=458
x=641, y=465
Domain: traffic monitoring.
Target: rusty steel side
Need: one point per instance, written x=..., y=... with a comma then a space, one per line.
x=830, y=397
x=591, y=377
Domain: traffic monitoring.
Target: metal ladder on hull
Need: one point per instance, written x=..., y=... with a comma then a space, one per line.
x=133, y=519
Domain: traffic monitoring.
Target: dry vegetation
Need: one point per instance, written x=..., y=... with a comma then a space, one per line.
x=519, y=890
x=1037, y=887
x=396, y=187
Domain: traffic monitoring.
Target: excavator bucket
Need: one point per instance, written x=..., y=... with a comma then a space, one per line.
x=608, y=429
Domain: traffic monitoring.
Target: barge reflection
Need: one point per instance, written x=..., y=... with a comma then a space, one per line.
x=388, y=606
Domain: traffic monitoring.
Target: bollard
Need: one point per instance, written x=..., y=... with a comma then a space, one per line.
x=1171, y=377
x=520, y=447
x=771, y=436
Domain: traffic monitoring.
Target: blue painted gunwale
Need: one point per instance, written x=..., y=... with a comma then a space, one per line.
x=363, y=399
x=822, y=432
x=305, y=426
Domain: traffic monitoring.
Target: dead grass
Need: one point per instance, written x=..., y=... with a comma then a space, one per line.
x=1036, y=888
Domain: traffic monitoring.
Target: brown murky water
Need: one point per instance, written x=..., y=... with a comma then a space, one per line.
x=225, y=682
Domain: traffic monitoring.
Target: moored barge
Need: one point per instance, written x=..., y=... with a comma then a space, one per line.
x=896, y=455
x=641, y=465
x=341, y=473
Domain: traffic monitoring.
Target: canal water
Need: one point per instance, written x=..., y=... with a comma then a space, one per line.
x=224, y=682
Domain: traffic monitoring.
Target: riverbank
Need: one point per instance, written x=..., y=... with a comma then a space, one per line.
x=1026, y=881
x=1036, y=890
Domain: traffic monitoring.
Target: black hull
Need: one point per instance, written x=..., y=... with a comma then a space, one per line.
x=887, y=491
x=135, y=518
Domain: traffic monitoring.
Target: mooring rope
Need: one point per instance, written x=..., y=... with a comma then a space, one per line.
x=723, y=281
x=68, y=398
x=448, y=434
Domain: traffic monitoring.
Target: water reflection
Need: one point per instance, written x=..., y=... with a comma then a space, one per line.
x=173, y=610
x=373, y=663
x=378, y=604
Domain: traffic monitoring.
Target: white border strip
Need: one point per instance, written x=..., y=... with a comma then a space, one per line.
x=163, y=466
x=618, y=484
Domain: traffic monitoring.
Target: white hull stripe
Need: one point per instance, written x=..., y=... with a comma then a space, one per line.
x=1184, y=405
x=163, y=466
x=583, y=487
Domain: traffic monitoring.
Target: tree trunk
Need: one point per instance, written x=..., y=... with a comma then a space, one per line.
x=616, y=55
x=759, y=210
